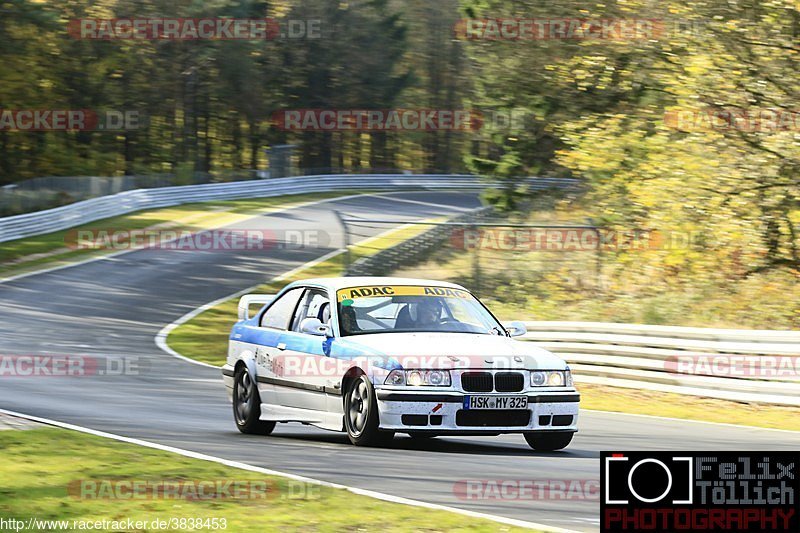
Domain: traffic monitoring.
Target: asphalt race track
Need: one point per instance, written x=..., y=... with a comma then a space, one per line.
x=115, y=307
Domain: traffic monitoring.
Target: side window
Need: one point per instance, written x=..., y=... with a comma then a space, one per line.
x=278, y=314
x=315, y=304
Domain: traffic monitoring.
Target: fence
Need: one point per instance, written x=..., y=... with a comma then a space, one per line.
x=59, y=218
x=53, y=191
x=47, y=192
x=405, y=251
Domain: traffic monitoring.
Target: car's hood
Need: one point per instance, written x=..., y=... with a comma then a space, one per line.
x=471, y=350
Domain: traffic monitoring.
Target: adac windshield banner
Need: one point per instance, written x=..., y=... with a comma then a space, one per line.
x=378, y=291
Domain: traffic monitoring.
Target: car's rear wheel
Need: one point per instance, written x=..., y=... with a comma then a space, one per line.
x=547, y=442
x=361, y=418
x=247, y=405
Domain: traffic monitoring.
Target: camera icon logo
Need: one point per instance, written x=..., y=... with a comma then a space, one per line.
x=648, y=480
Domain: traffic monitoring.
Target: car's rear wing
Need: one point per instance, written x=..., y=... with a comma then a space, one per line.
x=250, y=299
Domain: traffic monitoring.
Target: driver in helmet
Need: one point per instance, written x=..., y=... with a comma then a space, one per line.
x=429, y=313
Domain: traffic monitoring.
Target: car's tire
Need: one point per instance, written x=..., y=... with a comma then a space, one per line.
x=361, y=417
x=247, y=405
x=544, y=441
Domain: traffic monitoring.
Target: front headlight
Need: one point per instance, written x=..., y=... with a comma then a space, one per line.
x=416, y=378
x=551, y=378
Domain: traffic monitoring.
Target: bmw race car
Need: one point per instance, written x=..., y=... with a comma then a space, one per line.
x=374, y=356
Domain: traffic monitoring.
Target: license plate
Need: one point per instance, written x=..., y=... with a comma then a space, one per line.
x=495, y=402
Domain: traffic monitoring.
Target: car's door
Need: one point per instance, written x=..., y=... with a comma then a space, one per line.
x=305, y=364
x=272, y=324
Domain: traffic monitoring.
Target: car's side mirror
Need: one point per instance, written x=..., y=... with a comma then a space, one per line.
x=313, y=326
x=516, y=328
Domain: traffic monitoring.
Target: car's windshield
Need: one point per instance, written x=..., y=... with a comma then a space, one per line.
x=389, y=309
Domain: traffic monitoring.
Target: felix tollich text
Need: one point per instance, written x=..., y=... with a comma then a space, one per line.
x=742, y=482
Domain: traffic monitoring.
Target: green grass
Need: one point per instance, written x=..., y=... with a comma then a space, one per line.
x=38, y=466
x=41, y=251
x=205, y=337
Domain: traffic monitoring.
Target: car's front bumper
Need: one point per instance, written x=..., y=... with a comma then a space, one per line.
x=443, y=412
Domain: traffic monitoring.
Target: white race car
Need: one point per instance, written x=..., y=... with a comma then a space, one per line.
x=373, y=356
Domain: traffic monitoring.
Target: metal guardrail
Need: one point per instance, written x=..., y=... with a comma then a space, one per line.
x=410, y=250
x=741, y=365
x=53, y=191
x=60, y=218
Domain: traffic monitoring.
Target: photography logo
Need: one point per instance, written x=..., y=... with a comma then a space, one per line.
x=699, y=491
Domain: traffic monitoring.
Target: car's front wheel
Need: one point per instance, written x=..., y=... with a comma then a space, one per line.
x=247, y=405
x=547, y=441
x=361, y=418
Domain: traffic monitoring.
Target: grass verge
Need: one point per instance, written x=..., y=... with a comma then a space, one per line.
x=51, y=249
x=39, y=466
x=671, y=405
x=205, y=337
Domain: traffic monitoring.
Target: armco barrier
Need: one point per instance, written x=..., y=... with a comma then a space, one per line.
x=646, y=357
x=411, y=250
x=59, y=218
